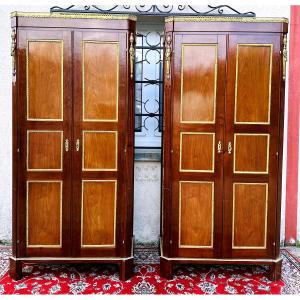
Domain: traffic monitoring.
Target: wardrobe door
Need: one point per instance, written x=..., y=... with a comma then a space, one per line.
x=102, y=135
x=252, y=137
x=44, y=114
x=196, y=168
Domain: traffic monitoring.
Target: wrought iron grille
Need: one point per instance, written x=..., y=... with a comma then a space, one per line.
x=148, y=89
x=162, y=10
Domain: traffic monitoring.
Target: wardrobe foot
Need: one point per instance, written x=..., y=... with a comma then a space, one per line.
x=15, y=269
x=275, y=271
x=126, y=269
x=166, y=268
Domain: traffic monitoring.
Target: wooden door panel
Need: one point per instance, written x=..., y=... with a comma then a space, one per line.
x=100, y=86
x=45, y=79
x=99, y=151
x=253, y=83
x=251, y=153
x=44, y=111
x=98, y=213
x=197, y=151
x=252, y=128
x=250, y=206
x=196, y=214
x=102, y=129
x=197, y=109
x=44, y=150
x=199, y=64
x=44, y=213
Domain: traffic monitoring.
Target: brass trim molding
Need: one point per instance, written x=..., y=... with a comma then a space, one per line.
x=284, y=57
x=168, y=52
x=42, y=258
x=115, y=214
x=131, y=54
x=267, y=154
x=13, y=50
x=115, y=132
x=237, y=79
x=213, y=134
x=226, y=19
x=61, y=150
x=84, y=42
x=182, y=83
x=212, y=216
x=73, y=15
x=220, y=260
x=60, y=216
x=266, y=215
x=62, y=79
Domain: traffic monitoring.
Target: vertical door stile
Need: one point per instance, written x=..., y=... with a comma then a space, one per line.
x=100, y=117
x=45, y=131
x=252, y=144
x=198, y=72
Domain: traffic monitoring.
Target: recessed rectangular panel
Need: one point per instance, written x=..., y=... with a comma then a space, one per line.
x=196, y=214
x=250, y=204
x=45, y=80
x=98, y=213
x=197, y=151
x=253, y=83
x=44, y=150
x=44, y=212
x=251, y=153
x=100, y=81
x=100, y=150
x=198, y=83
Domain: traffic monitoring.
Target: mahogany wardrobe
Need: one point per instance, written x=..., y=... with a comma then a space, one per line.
x=222, y=141
x=73, y=129
x=72, y=139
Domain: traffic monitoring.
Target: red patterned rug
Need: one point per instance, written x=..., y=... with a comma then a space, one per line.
x=104, y=279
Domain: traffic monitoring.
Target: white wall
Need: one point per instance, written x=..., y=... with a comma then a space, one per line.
x=147, y=181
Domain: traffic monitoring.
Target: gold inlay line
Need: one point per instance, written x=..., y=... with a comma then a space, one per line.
x=62, y=79
x=83, y=80
x=115, y=212
x=236, y=81
x=213, y=152
x=212, y=216
x=61, y=150
x=215, y=83
x=116, y=149
x=60, y=217
x=267, y=154
x=266, y=216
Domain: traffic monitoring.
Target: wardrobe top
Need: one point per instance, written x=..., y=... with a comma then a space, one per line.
x=59, y=15
x=225, y=19
x=134, y=18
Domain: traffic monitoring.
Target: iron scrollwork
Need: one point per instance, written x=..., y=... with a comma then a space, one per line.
x=13, y=50
x=163, y=10
x=148, y=109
